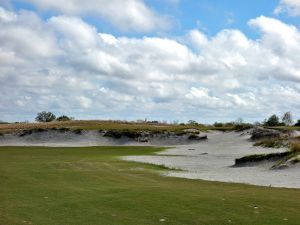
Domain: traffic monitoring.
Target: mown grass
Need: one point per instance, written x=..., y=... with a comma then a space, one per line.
x=76, y=186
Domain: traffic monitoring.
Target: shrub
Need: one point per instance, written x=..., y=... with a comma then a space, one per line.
x=243, y=126
x=216, y=124
x=63, y=118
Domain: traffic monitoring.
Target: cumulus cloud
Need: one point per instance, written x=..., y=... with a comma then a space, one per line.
x=65, y=65
x=292, y=7
x=129, y=15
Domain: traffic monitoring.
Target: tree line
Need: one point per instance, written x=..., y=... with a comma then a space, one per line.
x=286, y=120
x=273, y=121
x=49, y=117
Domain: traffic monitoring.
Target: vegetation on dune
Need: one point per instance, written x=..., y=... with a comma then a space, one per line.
x=281, y=158
x=47, y=120
x=295, y=148
x=273, y=143
x=260, y=157
x=92, y=186
x=103, y=125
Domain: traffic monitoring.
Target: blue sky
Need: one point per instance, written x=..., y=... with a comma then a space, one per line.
x=156, y=59
x=206, y=15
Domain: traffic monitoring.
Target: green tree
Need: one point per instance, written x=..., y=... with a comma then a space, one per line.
x=45, y=117
x=272, y=121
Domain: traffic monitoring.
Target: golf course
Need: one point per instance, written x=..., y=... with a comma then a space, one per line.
x=92, y=185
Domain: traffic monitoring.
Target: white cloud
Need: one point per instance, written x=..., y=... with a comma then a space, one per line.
x=292, y=7
x=6, y=16
x=84, y=102
x=197, y=38
x=65, y=65
x=126, y=15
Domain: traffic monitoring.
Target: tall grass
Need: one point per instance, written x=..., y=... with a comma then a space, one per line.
x=295, y=148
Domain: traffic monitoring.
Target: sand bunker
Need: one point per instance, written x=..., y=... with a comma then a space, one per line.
x=65, y=137
x=212, y=160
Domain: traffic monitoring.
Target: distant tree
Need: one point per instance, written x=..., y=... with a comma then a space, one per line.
x=272, y=121
x=45, y=117
x=175, y=122
x=257, y=124
x=287, y=119
x=192, y=122
x=297, y=124
x=64, y=118
x=239, y=121
x=218, y=124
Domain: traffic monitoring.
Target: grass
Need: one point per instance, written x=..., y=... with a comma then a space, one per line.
x=261, y=157
x=280, y=157
x=76, y=186
x=295, y=147
x=105, y=125
x=285, y=128
x=272, y=143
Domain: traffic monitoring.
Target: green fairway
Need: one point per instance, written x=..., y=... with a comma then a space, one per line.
x=87, y=186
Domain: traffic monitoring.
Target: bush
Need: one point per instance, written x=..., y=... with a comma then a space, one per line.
x=243, y=126
x=216, y=124
x=45, y=117
x=297, y=124
x=63, y=118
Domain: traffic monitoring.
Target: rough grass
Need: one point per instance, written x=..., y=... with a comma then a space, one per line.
x=261, y=157
x=280, y=158
x=295, y=147
x=105, y=125
x=272, y=143
x=285, y=128
x=76, y=186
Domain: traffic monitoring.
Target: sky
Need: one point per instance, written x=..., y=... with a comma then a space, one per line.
x=171, y=60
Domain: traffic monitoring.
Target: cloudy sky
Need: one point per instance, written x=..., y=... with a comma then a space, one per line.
x=157, y=59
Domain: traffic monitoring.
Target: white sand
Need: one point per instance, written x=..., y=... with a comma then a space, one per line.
x=223, y=149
